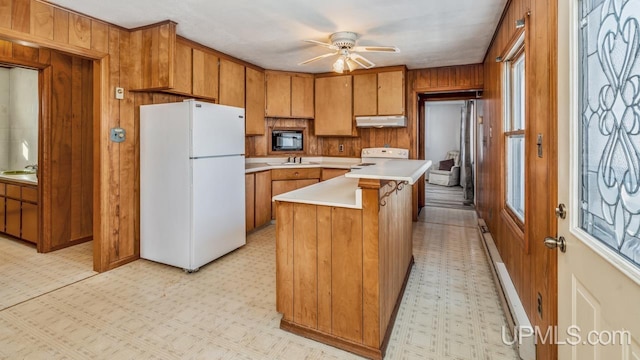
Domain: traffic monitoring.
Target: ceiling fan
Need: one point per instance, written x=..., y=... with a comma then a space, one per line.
x=343, y=43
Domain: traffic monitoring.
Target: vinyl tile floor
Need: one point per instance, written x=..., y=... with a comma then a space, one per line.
x=146, y=310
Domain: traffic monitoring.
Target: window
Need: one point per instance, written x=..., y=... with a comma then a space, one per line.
x=514, y=129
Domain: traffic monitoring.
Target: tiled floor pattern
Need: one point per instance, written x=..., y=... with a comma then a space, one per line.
x=25, y=274
x=145, y=310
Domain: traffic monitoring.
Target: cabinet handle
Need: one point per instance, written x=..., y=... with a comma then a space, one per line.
x=296, y=174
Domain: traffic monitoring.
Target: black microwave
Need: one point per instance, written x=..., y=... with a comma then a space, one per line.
x=286, y=140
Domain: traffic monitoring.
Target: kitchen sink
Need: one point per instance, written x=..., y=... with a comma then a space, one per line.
x=291, y=163
x=17, y=172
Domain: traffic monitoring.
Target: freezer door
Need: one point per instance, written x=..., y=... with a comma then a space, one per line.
x=218, y=207
x=216, y=130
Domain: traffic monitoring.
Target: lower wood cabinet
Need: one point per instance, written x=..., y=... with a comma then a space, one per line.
x=249, y=201
x=257, y=199
x=328, y=173
x=29, y=222
x=19, y=211
x=263, y=198
x=13, y=218
x=285, y=180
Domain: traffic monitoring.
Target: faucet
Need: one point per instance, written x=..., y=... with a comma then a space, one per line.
x=33, y=167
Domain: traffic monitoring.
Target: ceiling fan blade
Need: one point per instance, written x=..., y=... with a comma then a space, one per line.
x=360, y=60
x=351, y=64
x=318, y=58
x=387, y=49
x=327, y=45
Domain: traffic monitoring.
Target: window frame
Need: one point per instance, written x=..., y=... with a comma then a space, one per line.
x=516, y=53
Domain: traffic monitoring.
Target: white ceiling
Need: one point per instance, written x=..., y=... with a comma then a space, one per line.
x=269, y=33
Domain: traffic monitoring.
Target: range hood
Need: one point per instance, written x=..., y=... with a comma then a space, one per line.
x=381, y=121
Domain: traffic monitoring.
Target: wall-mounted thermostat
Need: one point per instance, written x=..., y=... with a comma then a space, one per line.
x=118, y=135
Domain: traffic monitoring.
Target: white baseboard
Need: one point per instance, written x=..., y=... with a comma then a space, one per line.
x=514, y=310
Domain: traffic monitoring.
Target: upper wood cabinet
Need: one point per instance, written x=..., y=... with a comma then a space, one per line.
x=205, y=74
x=231, y=83
x=153, y=50
x=302, y=96
x=391, y=93
x=289, y=95
x=365, y=94
x=379, y=93
x=254, y=107
x=334, y=115
x=183, y=69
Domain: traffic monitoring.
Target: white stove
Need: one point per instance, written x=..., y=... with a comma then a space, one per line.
x=373, y=156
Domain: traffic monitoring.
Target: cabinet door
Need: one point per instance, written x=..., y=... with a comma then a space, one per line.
x=280, y=187
x=365, y=94
x=249, y=196
x=30, y=222
x=205, y=74
x=331, y=173
x=231, y=83
x=263, y=198
x=254, y=109
x=334, y=114
x=306, y=182
x=302, y=97
x=2, y=212
x=13, y=217
x=391, y=93
x=182, y=69
x=278, y=95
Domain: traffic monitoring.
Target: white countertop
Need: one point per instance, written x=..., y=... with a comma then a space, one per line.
x=262, y=163
x=343, y=191
x=30, y=179
x=339, y=191
x=399, y=170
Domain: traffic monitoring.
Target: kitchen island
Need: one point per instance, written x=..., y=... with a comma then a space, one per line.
x=344, y=254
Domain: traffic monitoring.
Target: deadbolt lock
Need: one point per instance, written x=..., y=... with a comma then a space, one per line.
x=561, y=211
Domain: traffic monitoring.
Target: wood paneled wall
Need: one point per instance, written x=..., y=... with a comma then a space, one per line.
x=531, y=266
x=449, y=78
x=328, y=146
x=115, y=200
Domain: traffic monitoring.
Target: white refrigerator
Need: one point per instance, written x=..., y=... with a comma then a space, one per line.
x=192, y=196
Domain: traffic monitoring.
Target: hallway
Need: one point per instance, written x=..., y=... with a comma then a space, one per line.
x=143, y=310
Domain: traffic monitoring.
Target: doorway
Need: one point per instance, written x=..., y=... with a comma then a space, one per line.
x=448, y=140
x=60, y=147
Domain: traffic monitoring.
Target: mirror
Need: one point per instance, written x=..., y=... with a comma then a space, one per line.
x=18, y=118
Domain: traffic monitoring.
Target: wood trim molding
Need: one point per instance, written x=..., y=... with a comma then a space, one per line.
x=101, y=176
x=35, y=41
x=219, y=54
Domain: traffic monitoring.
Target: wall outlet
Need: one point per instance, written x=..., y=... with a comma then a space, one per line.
x=341, y=148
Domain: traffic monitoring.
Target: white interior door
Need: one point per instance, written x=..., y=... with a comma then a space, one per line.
x=598, y=179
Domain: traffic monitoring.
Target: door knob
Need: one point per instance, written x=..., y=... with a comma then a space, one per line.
x=553, y=243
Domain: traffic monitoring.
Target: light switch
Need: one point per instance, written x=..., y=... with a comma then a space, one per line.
x=119, y=93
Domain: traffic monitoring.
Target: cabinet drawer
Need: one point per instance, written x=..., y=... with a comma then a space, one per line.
x=30, y=194
x=13, y=191
x=294, y=174
x=2, y=189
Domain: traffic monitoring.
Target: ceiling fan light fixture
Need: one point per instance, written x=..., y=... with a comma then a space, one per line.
x=338, y=66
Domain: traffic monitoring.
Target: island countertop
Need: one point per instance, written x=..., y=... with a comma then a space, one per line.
x=343, y=191
x=339, y=191
x=399, y=170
